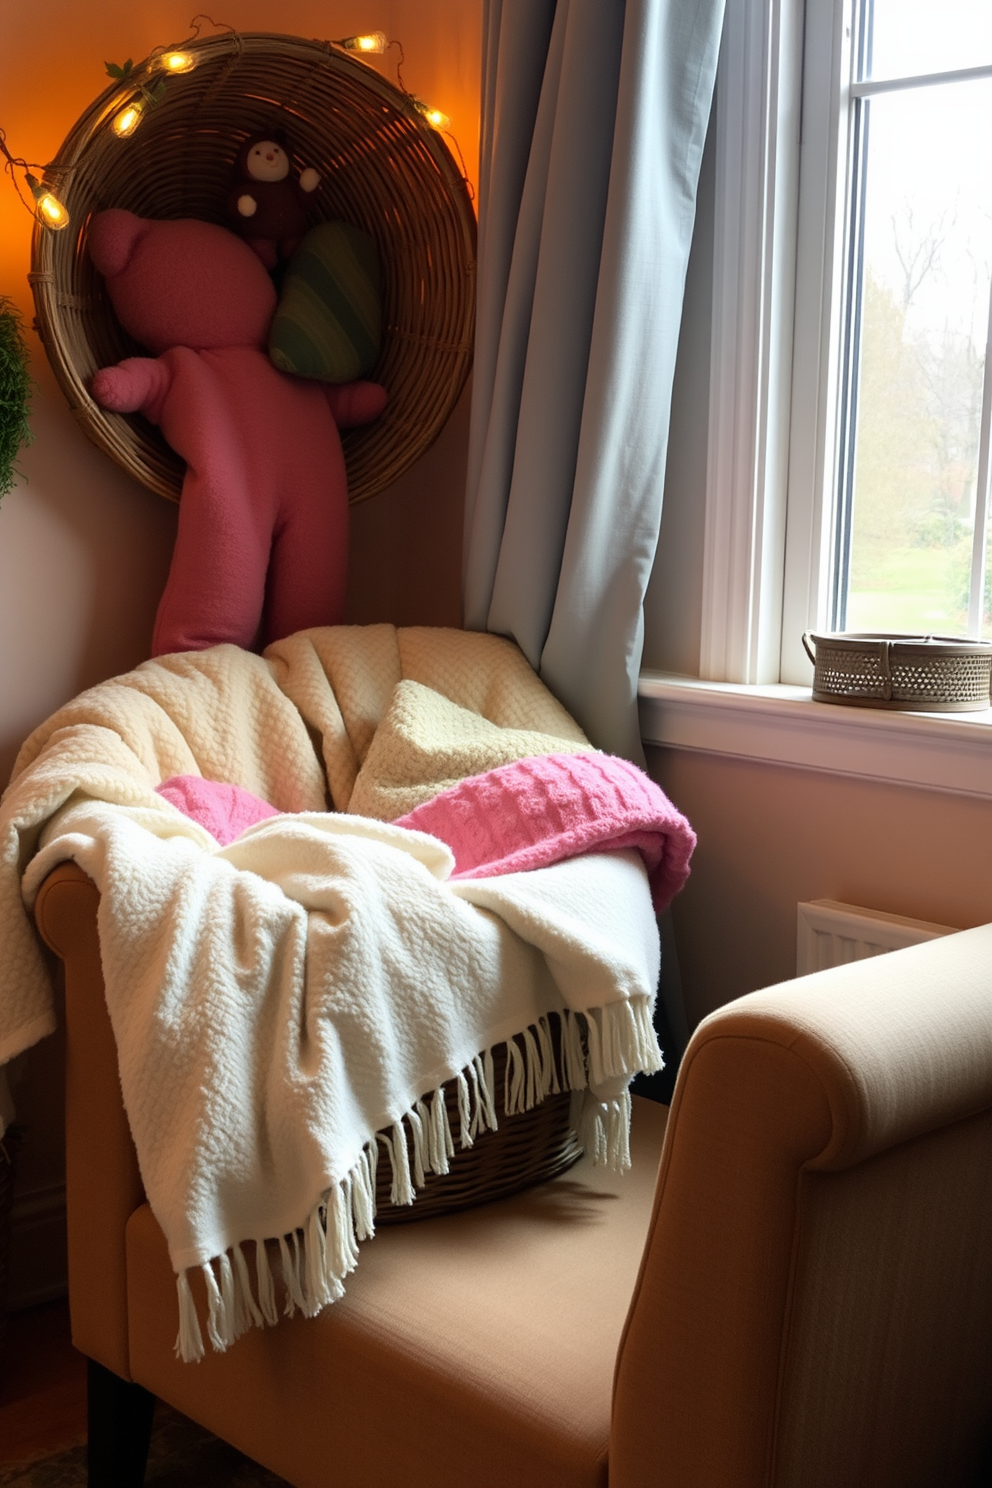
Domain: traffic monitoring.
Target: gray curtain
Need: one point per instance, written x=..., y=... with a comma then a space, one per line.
x=594, y=116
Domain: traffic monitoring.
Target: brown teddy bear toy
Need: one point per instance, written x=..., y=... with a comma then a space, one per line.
x=267, y=205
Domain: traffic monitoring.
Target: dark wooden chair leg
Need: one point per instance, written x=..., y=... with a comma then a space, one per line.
x=119, y=1420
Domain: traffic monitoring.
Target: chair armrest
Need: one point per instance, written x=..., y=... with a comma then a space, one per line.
x=103, y=1185
x=826, y=1137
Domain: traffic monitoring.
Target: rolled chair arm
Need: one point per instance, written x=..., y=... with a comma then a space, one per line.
x=103, y=1185
x=825, y=1140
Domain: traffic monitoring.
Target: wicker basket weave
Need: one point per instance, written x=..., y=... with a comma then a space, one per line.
x=926, y=674
x=527, y=1148
x=382, y=168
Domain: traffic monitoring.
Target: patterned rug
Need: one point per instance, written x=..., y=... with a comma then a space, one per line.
x=182, y=1455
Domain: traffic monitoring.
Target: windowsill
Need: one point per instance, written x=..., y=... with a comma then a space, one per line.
x=782, y=725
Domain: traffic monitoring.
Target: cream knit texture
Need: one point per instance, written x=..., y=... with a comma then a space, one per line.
x=288, y=1007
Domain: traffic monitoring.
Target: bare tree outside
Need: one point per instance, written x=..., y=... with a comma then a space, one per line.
x=924, y=315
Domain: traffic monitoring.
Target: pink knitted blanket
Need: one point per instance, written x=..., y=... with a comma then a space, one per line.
x=535, y=812
x=527, y=814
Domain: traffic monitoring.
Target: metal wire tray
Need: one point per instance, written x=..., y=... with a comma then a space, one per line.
x=926, y=674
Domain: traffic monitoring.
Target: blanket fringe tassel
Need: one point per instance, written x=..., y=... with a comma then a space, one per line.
x=595, y=1047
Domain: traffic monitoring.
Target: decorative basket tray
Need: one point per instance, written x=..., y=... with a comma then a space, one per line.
x=383, y=168
x=925, y=674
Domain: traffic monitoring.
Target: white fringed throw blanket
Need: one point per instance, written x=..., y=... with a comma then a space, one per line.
x=280, y=1001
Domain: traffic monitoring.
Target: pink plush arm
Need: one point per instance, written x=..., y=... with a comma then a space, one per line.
x=138, y=384
x=355, y=402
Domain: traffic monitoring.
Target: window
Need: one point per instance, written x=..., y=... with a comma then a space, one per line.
x=802, y=193
x=911, y=456
x=850, y=408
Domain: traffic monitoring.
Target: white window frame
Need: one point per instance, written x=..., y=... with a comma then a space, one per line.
x=783, y=171
x=757, y=125
x=774, y=367
x=823, y=225
x=773, y=399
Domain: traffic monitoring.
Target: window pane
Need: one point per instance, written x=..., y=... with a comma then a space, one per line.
x=925, y=308
x=911, y=37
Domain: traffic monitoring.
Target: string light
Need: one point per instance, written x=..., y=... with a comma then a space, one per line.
x=376, y=41
x=176, y=62
x=434, y=116
x=47, y=208
x=126, y=122
x=52, y=213
x=130, y=116
x=372, y=43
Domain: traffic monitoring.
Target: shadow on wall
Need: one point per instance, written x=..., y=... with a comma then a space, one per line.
x=88, y=553
x=98, y=547
x=406, y=543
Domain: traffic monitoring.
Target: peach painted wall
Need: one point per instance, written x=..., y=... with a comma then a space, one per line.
x=771, y=836
x=84, y=550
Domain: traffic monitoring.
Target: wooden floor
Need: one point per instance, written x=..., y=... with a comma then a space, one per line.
x=43, y=1411
x=42, y=1386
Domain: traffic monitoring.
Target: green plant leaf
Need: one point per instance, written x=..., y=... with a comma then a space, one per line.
x=15, y=392
x=152, y=92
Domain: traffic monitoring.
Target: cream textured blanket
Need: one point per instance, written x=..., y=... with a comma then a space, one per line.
x=280, y=1001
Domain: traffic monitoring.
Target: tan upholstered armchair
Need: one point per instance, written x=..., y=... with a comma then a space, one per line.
x=801, y=1296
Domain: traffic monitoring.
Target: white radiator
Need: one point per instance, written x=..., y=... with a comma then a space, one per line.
x=830, y=934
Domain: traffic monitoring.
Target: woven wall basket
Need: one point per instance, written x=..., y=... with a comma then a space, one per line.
x=382, y=168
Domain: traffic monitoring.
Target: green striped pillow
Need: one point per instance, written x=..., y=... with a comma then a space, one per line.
x=328, y=323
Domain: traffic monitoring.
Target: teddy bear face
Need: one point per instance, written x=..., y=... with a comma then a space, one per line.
x=267, y=161
x=183, y=283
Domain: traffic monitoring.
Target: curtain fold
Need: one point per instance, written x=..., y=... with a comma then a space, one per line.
x=594, y=117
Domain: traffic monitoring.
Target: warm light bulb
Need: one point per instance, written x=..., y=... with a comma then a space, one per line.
x=177, y=61
x=48, y=209
x=434, y=116
x=127, y=121
x=372, y=41
x=52, y=213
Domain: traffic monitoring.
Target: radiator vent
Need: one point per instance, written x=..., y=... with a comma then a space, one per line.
x=830, y=934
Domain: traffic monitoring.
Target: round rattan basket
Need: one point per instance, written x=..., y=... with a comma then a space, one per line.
x=924, y=674
x=383, y=168
x=527, y=1148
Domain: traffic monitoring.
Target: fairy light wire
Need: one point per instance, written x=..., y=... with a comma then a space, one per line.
x=176, y=60
x=42, y=194
x=439, y=123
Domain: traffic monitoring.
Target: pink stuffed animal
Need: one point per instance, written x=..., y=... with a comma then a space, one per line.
x=263, y=522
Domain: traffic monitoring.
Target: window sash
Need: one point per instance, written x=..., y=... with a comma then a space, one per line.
x=782, y=233
x=859, y=95
x=773, y=371
x=757, y=124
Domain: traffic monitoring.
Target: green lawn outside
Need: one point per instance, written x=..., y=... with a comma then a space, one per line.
x=913, y=590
